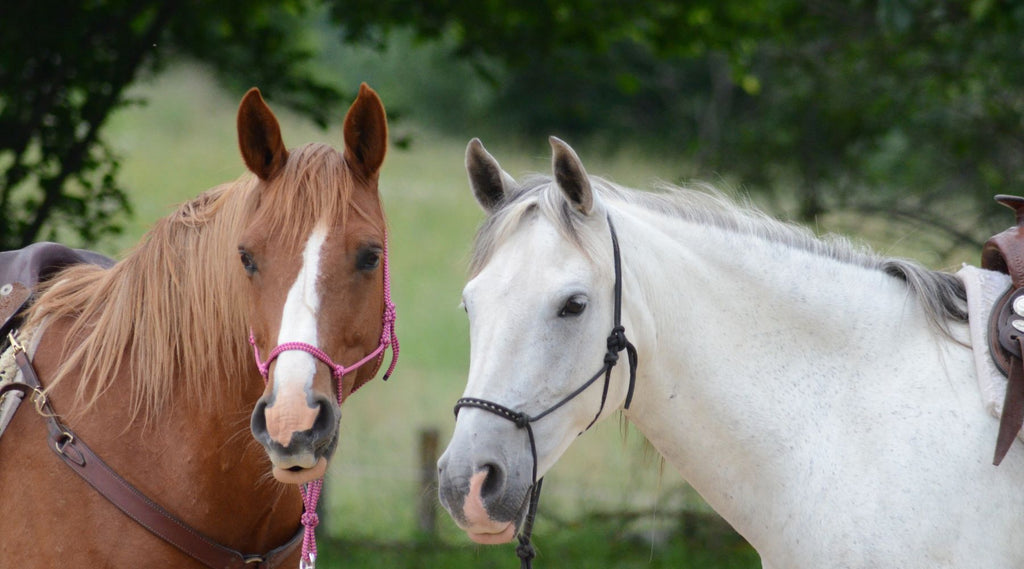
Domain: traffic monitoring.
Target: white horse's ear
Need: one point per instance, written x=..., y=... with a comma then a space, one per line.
x=489, y=182
x=570, y=176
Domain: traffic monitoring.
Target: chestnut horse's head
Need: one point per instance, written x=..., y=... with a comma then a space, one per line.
x=315, y=254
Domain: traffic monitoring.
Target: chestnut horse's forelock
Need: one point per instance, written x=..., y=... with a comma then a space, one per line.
x=180, y=312
x=315, y=184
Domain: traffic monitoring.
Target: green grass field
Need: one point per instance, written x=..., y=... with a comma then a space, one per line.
x=184, y=141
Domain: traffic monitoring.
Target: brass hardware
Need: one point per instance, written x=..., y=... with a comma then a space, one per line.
x=15, y=344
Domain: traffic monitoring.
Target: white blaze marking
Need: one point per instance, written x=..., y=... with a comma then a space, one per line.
x=295, y=369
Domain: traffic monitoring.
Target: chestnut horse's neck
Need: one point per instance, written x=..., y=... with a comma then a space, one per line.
x=196, y=461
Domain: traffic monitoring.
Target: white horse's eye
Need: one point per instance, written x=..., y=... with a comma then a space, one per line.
x=574, y=306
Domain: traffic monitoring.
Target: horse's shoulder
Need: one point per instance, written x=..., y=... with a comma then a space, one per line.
x=22, y=269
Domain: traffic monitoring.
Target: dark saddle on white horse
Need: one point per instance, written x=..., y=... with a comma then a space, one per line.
x=1005, y=253
x=21, y=270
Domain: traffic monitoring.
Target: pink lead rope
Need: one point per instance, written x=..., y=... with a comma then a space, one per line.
x=388, y=337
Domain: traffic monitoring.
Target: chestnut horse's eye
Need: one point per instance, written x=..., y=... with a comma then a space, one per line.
x=367, y=259
x=574, y=306
x=248, y=262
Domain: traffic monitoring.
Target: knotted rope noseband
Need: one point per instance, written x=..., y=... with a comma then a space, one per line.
x=388, y=337
x=616, y=343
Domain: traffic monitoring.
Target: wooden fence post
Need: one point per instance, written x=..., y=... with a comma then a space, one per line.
x=427, y=509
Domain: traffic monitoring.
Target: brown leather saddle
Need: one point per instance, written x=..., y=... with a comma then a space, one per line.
x=1004, y=253
x=21, y=270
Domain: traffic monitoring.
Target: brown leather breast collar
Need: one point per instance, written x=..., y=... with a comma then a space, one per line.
x=80, y=458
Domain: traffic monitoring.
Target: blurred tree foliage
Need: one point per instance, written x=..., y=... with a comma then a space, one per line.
x=65, y=67
x=911, y=109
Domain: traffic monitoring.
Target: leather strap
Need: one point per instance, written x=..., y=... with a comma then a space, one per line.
x=1006, y=346
x=1012, y=419
x=80, y=458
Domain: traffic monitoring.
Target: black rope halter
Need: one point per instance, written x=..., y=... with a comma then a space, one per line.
x=616, y=343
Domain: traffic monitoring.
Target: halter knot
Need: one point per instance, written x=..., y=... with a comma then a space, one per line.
x=310, y=519
x=522, y=420
x=525, y=550
x=616, y=343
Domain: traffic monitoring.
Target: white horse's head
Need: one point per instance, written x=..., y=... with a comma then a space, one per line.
x=541, y=305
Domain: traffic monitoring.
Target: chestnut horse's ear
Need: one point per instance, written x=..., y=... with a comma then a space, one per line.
x=570, y=176
x=366, y=132
x=259, y=137
x=489, y=182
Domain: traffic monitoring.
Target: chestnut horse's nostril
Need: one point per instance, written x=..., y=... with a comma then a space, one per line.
x=326, y=418
x=258, y=422
x=325, y=426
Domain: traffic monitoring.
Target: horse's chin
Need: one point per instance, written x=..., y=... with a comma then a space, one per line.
x=491, y=538
x=301, y=475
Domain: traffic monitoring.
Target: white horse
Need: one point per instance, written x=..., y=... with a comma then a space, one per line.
x=822, y=399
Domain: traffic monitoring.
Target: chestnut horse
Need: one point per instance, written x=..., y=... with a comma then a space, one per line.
x=149, y=362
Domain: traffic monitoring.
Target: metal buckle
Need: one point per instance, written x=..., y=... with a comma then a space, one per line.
x=15, y=344
x=40, y=400
x=63, y=441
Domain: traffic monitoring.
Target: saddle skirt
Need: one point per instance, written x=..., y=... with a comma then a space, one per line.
x=984, y=288
x=9, y=373
x=20, y=272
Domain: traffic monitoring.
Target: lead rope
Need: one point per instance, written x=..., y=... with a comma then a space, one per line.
x=310, y=519
x=617, y=342
x=525, y=550
x=388, y=337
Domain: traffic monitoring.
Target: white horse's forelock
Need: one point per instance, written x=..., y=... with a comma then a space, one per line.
x=941, y=294
x=536, y=195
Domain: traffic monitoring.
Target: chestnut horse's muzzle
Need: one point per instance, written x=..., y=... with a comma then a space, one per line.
x=298, y=451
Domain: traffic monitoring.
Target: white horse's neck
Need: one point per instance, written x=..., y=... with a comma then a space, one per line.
x=792, y=390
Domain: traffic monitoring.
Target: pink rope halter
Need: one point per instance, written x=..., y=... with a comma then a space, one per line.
x=388, y=337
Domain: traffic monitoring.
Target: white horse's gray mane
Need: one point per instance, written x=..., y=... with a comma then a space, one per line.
x=941, y=294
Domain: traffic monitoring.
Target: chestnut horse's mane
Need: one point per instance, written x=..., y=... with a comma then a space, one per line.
x=172, y=314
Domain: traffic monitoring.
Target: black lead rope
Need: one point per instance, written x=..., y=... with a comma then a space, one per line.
x=617, y=342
